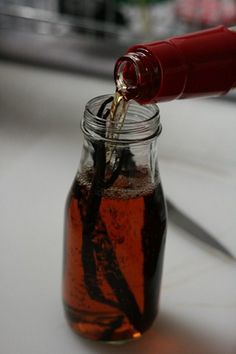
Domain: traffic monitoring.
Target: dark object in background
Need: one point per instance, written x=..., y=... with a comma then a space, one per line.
x=76, y=7
x=103, y=14
x=106, y=12
x=194, y=229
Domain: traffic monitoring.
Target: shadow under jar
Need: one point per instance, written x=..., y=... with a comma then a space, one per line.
x=115, y=227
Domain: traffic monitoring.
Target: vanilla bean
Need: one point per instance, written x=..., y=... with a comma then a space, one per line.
x=115, y=173
x=153, y=243
x=89, y=222
x=112, y=327
x=106, y=255
x=88, y=255
x=103, y=106
x=103, y=249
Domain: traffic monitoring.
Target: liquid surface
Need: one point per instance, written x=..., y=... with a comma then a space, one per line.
x=112, y=275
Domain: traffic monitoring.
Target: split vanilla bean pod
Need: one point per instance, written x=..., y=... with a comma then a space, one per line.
x=101, y=245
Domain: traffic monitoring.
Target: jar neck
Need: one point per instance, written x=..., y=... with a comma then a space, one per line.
x=130, y=152
x=133, y=171
x=141, y=125
x=137, y=75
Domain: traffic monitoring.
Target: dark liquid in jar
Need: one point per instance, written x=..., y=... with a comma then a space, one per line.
x=112, y=280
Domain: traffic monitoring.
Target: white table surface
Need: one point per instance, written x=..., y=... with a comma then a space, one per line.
x=40, y=144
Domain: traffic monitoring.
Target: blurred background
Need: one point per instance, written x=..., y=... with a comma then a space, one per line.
x=55, y=55
x=89, y=35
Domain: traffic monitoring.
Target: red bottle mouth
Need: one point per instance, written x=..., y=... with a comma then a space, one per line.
x=137, y=76
x=127, y=75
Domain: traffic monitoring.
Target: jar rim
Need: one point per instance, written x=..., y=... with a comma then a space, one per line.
x=142, y=122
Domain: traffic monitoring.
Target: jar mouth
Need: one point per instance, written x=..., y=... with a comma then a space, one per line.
x=142, y=123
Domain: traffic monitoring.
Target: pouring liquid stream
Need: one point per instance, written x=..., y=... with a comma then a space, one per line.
x=115, y=121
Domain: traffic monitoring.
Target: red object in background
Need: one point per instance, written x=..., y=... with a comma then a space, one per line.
x=196, y=64
x=206, y=13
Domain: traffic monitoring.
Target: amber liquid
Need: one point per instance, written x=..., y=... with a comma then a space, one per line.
x=112, y=277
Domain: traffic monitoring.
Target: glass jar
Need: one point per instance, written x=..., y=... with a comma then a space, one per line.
x=115, y=227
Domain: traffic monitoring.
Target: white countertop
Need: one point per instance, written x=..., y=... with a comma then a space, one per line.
x=40, y=143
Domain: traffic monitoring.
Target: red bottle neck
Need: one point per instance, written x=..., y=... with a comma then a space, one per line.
x=196, y=64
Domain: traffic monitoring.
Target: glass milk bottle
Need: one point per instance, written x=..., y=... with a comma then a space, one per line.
x=115, y=226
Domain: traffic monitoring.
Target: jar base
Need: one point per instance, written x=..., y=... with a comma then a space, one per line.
x=110, y=328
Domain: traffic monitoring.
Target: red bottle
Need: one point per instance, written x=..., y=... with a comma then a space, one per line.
x=192, y=65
